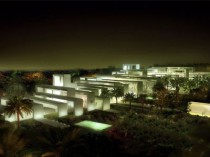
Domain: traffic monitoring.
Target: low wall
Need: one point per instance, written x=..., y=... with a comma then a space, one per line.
x=198, y=108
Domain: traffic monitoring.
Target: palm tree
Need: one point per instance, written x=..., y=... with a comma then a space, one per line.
x=142, y=99
x=129, y=97
x=105, y=93
x=57, y=142
x=12, y=142
x=117, y=92
x=17, y=105
x=15, y=87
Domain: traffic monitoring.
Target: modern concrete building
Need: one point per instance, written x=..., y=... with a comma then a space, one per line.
x=64, y=97
x=134, y=70
x=135, y=80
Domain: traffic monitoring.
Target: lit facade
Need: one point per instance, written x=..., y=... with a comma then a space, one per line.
x=64, y=97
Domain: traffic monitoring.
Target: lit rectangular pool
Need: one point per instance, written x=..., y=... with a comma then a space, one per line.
x=93, y=125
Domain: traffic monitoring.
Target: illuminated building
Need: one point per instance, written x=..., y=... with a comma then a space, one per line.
x=64, y=97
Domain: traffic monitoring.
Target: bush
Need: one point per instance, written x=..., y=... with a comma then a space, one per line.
x=161, y=136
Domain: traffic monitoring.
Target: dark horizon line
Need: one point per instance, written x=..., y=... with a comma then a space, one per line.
x=109, y=67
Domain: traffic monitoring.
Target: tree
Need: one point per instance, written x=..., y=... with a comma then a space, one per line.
x=141, y=98
x=3, y=82
x=166, y=81
x=105, y=93
x=189, y=85
x=58, y=142
x=199, y=94
x=17, y=103
x=158, y=86
x=117, y=92
x=75, y=76
x=198, y=81
x=11, y=142
x=15, y=88
x=30, y=80
x=18, y=106
x=177, y=83
x=161, y=98
x=129, y=97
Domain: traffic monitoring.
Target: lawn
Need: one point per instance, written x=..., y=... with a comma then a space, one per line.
x=93, y=125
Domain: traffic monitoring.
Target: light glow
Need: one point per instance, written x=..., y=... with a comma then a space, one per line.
x=93, y=125
x=57, y=80
x=201, y=109
x=78, y=111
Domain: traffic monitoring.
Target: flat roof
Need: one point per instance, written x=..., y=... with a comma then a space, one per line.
x=52, y=102
x=58, y=96
x=55, y=87
x=97, y=85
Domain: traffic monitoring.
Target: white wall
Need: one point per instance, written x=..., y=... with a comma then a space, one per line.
x=14, y=117
x=66, y=80
x=78, y=107
x=58, y=80
x=38, y=111
x=99, y=103
x=62, y=110
x=106, y=104
x=3, y=101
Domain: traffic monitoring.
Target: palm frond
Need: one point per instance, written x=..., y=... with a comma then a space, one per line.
x=18, y=105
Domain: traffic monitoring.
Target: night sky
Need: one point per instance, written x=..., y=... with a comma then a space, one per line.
x=68, y=35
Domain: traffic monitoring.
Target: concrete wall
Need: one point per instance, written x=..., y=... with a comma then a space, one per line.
x=106, y=104
x=38, y=111
x=78, y=107
x=14, y=117
x=66, y=80
x=70, y=92
x=125, y=87
x=3, y=101
x=99, y=103
x=57, y=80
x=62, y=110
x=88, y=99
x=102, y=103
x=139, y=88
